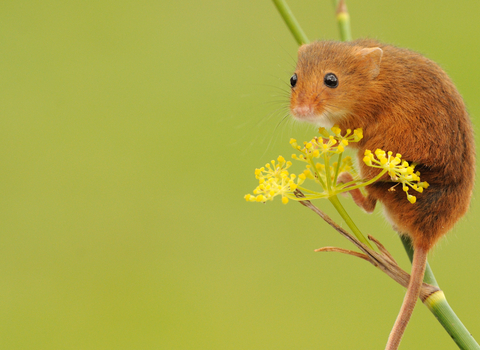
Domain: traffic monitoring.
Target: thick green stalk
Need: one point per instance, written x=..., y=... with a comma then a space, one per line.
x=291, y=22
x=438, y=305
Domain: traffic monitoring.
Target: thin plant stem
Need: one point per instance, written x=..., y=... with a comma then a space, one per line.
x=339, y=161
x=317, y=175
x=326, y=160
x=291, y=22
x=343, y=20
x=348, y=220
x=348, y=187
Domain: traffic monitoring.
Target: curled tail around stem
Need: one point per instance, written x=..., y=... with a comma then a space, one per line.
x=416, y=278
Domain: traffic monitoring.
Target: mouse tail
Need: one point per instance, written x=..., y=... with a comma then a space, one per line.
x=413, y=291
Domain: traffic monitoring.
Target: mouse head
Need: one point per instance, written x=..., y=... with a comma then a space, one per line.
x=332, y=80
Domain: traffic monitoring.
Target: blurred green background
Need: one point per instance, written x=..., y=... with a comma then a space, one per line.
x=129, y=134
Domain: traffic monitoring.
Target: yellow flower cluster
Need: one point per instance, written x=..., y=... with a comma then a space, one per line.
x=319, y=146
x=275, y=180
x=399, y=171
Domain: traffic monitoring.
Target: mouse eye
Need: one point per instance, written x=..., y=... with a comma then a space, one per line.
x=293, y=80
x=330, y=80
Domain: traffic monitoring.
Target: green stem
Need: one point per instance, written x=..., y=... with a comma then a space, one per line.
x=341, y=210
x=339, y=161
x=343, y=20
x=348, y=187
x=291, y=22
x=317, y=175
x=326, y=160
x=438, y=305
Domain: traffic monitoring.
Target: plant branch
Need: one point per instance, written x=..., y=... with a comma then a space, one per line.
x=430, y=294
x=382, y=260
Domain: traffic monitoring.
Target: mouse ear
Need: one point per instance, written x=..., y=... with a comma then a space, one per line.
x=371, y=56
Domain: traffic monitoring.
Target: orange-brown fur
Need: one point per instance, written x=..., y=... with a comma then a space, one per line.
x=405, y=103
x=411, y=108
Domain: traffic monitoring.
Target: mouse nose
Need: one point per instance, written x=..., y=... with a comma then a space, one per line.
x=304, y=110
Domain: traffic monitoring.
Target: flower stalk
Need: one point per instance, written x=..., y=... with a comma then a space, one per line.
x=343, y=213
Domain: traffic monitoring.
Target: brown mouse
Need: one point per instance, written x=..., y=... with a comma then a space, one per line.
x=405, y=103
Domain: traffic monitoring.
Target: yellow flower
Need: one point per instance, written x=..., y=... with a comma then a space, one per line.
x=274, y=179
x=325, y=145
x=399, y=171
